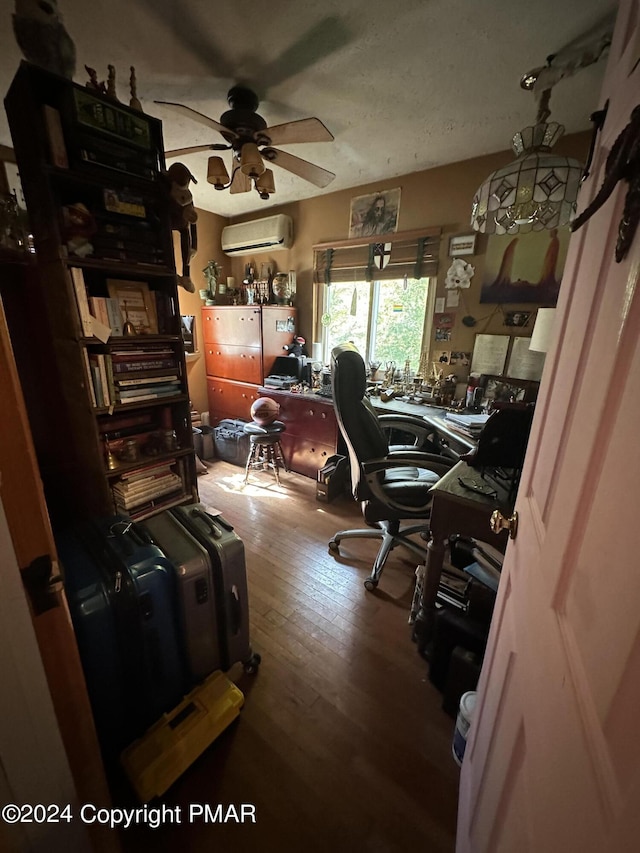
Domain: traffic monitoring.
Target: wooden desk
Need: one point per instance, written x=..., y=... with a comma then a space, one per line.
x=449, y=442
x=455, y=509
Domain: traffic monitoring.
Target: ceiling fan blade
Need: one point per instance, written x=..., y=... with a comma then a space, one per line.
x=302, y=168
x=199, y=117
x=240, y=183
x=304, y=130
x=192, y=149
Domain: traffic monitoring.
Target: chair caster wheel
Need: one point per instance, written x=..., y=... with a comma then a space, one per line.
x=334, y=545
x=251, y=666
x=370, y=584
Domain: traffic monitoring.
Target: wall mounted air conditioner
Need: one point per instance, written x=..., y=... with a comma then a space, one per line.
x=260, y=235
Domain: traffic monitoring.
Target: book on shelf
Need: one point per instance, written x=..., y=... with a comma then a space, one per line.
x=146, y=490
x=115, y=317
x=82, y=301
x=147, y=380
x=172, y=387
x=156, y=505
x=140, y=484
x=104, y=379
x=55, y=137
x=136, y=500
x=97, y=382
x=89, y=379
x=148, y=469
x=142, y=397
x=139, y=366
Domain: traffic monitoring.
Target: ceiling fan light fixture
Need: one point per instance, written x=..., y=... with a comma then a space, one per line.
x=217, y=173
x=265, y=184
x=251, y=161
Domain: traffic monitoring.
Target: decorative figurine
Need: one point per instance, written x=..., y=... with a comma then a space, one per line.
x=134, y=103
x=459, y=274
x=183, y=217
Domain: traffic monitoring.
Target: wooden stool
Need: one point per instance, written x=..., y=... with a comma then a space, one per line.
x=266, y=450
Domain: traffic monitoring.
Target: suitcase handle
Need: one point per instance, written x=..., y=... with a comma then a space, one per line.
x=198, y=513
x=235, y=610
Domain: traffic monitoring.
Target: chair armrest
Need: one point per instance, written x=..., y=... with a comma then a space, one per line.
x=415, y=426
x=402, y=459
x=431, y=461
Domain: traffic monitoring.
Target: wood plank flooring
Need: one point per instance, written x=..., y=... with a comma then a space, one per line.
x=342, y=743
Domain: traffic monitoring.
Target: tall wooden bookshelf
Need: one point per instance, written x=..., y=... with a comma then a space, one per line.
x=90, y=170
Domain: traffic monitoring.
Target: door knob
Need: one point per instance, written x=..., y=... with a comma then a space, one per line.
x=499, y=523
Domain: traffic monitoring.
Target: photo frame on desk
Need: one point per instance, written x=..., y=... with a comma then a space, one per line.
x=137, y=304
x=504, y=389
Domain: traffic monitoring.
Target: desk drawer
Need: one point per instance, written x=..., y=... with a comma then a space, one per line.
x=304, y=456
x=233, y=362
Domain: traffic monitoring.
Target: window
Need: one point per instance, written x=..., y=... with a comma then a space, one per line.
x=386, y=320
x=380, y=295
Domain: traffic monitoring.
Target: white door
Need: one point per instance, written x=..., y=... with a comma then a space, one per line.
x=553, y=758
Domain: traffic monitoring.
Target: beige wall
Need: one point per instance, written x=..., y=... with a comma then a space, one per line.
x=436, y=197
x=210, y=227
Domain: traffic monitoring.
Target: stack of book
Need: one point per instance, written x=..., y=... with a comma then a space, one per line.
x=139, y=489
x=146, y=388
x=469, y=425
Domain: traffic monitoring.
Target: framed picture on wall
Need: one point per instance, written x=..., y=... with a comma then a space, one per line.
x=376, y=213
x=462, y=244
x=525, y=268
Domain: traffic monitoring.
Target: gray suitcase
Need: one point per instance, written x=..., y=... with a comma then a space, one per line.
x=197, y=610
x=226, y=552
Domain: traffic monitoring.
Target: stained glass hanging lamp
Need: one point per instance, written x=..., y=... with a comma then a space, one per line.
x=537, y=191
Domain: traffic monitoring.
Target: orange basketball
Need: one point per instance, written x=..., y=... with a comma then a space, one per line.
x=265, y=411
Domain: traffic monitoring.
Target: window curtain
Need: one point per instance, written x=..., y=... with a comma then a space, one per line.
x=409, y=253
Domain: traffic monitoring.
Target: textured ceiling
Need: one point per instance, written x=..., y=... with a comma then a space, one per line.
x=403, y=86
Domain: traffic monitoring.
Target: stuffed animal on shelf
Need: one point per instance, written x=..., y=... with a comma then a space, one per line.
x=183, y=217
x=296, y=347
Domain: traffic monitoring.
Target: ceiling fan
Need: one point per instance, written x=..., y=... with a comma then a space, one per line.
x=251, y=141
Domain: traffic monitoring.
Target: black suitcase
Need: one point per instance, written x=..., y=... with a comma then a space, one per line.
x=228, y=568
x=196, y=597
x=121, y=592
x=231, y=442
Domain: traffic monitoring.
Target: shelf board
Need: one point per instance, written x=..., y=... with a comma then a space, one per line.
x=141, y=404
x=120, y=267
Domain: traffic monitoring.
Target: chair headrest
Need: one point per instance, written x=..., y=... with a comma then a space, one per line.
x=348, y=369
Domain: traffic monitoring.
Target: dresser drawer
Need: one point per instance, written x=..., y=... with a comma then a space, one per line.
x=228, y=399
x=231, y=324
x=233, y=362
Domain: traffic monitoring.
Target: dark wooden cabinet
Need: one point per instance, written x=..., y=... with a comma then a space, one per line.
x=241, y=343
x=91, y=174
x=311, y=434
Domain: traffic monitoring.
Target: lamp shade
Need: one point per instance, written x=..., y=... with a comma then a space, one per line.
x=250, y=160
x=537, y=190
x=542, y=330
x=265, y=184
x=217, y=173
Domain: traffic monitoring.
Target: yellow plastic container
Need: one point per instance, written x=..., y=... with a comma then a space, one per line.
x=170, y=746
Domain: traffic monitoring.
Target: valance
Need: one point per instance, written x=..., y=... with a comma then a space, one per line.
x=386, y=256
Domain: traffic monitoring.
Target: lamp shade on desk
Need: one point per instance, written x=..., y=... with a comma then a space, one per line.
x=542, y=330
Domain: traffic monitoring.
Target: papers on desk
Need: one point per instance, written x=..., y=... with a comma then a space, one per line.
x=470, y=425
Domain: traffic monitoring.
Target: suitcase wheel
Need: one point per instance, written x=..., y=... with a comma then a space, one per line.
x=251, y=665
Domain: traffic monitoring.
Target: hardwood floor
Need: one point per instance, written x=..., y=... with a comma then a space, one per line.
x=342, y=742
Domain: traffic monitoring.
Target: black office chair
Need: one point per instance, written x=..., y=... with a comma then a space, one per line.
x=391, y=483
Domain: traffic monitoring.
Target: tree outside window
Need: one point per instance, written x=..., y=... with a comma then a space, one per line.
x=386, y=320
